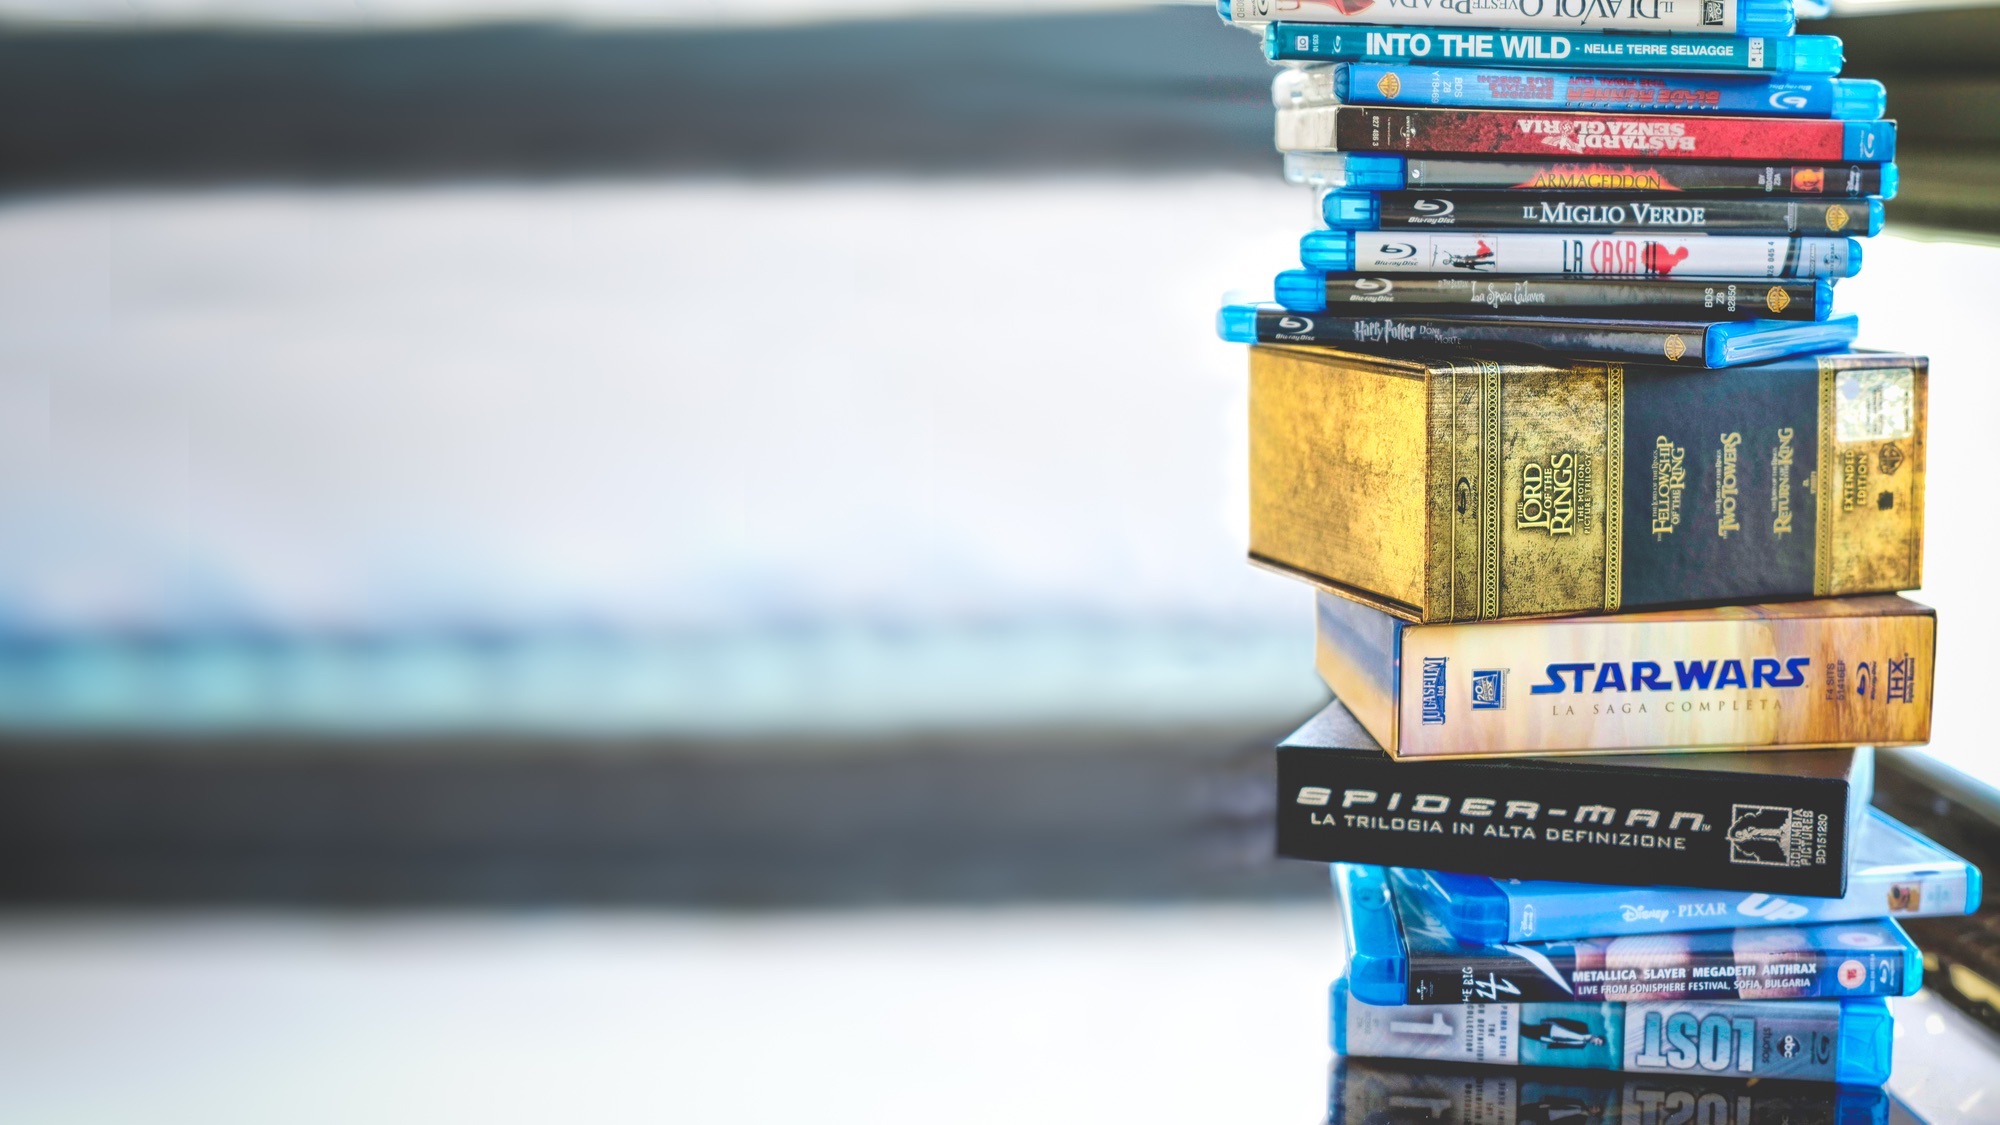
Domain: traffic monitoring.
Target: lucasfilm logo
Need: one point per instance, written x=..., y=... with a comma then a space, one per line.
x=1433, y=687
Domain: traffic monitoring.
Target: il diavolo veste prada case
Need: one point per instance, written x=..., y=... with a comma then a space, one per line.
x=1468, y=491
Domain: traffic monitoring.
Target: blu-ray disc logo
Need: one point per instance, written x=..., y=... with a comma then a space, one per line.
x=1783, y=99
x=1434, y=208
x=1293, y=325
x=1374, y=285
x=1397, y=251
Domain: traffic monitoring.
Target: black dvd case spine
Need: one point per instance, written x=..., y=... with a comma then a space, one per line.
x=1578, y=820
x=1646, y=175
x=1612, y=299
x=1580, y=211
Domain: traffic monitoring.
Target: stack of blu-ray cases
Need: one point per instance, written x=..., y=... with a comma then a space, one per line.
x=1678, y=183
x=1559, y=421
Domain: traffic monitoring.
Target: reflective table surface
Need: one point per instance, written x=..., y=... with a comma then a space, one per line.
x=1047, y=1014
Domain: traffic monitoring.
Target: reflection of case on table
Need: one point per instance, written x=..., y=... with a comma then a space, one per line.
x=1373, y=1091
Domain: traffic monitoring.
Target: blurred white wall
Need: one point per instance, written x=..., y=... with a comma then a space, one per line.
x=675, y=405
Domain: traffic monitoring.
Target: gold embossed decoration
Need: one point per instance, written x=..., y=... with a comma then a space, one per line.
x=1777, y=299
x=1675, y=348
x=1390, y=85
x=1836, y=217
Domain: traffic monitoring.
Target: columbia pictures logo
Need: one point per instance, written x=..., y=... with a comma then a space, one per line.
x=1433, y=688
x=1769, y=835
x=1489, y=689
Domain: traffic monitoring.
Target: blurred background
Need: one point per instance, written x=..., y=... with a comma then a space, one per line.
x=613, y=559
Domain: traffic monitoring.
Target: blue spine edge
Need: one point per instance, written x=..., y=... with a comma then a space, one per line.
x=1301, y=290
x=1892, y=178
x=1859, y=99
x=1377, y=970
x=1867, y=1042
x=1345, y=209
x=1809, y=54
x=1869, y=140
x=1853, y=257
x=1755, y=341
x=1329, y=250
x=1375, y=171
x=1822, y=298
x=1271, y=39
x=1474, y=908
x=1765, y=17
x=1876, y=214
x=1222, y=9
x=1237, y=323
x=1336, y=1016
x=1973, y=879
x=1913, y=960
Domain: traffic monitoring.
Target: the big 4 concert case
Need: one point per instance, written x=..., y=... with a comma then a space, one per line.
x=1400, y=953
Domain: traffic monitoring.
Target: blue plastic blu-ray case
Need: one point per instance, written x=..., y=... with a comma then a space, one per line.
x=1850, y=1042
x=1382, y=171
x=1400, y=952
x=1520, y=209
x=1561, y=50
x=1316, y=291
x=1579, y=254
x=1469, y=86
x=1712, y=344
x=1897, y=873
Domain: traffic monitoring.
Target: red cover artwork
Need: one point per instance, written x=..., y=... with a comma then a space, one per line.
x=1518, y=132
